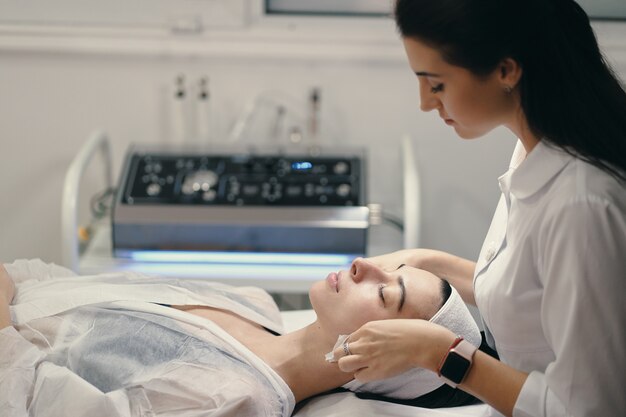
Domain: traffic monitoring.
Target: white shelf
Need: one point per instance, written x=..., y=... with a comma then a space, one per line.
x=267, y=41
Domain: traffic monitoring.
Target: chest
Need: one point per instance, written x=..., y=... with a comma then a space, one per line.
x=245, y=331
x=509, y=290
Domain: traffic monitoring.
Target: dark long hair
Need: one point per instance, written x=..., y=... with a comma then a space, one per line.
x=570, y=96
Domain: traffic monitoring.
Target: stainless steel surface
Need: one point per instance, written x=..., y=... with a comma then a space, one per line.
x=247, y=200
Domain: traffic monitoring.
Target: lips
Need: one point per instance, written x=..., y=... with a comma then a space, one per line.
x=446, y=120
x=333, y=281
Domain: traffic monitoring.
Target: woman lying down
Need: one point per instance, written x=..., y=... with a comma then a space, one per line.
x=125, y=344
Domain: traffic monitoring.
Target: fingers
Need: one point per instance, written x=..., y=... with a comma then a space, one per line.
x=357, y=365
x=353, y=344
x=347, y=359
x=364, y=375
x=345, y=349
x=351, y=364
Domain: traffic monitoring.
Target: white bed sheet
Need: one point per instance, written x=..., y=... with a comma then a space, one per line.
x=346, y=404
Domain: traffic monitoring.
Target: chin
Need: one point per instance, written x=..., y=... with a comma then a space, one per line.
x=316, y=293
x=465, y=133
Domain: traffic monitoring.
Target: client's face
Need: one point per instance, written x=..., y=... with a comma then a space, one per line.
x=348, y=299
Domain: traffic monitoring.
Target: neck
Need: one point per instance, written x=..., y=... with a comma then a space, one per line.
x=298, y=357
x=519, y=126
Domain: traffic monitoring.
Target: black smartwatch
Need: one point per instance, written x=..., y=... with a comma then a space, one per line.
x=457, y=362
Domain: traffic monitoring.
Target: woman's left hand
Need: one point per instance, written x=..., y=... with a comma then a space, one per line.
x=386, y=348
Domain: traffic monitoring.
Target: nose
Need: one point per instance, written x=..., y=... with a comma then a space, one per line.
x=362, y=269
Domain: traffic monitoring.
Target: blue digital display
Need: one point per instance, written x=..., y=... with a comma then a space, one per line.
x=301, y=166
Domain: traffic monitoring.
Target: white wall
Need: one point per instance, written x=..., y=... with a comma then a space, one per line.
x=55, y=89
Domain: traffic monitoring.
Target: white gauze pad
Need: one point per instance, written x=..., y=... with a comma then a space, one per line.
x=330, y=356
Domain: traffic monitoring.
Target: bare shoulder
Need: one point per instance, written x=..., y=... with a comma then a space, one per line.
x=7, y=286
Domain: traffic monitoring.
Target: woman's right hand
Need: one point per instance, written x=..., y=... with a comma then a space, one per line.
x=386, y=348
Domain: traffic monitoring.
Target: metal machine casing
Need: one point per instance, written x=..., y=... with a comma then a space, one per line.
x=243, y=200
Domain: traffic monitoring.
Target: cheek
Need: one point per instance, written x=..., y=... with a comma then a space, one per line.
x=477, y=107
x=358, y=314
x=469, y=107
x=475, y=122
x=347, y=321
x=317, y=296
x=343, y=315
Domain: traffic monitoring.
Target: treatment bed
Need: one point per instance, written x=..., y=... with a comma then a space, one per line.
x=85, y=345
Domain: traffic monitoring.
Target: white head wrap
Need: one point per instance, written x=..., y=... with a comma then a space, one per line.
x=416, y=382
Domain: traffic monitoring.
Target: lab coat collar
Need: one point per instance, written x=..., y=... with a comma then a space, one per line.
x=542, y=164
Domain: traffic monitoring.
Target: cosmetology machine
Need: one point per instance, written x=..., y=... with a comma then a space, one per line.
x=174, y=201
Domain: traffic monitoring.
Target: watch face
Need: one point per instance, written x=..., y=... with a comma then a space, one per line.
x=455, y=367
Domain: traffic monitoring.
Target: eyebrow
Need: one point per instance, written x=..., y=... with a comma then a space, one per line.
x=402, y=292
x=427, y=74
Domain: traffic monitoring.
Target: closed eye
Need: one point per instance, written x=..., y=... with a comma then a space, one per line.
x=381, y=293
x=402, y=289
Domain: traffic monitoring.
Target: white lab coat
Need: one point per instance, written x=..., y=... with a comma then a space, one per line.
x=550, y=284
x=88, y=346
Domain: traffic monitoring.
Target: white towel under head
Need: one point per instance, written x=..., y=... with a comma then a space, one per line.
x=416, y=382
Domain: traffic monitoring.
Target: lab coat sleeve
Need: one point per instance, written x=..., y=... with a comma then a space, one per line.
x=581, y=262
x=26, y=269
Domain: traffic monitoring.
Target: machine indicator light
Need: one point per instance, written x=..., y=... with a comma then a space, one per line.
x=301, y=166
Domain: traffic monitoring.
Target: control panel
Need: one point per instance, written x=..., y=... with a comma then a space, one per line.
x=241, y=200
x=242, y=180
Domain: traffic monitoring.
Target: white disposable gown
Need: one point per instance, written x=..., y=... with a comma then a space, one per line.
x=109, y=346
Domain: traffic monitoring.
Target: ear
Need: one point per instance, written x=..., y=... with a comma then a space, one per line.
x=509, y=72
